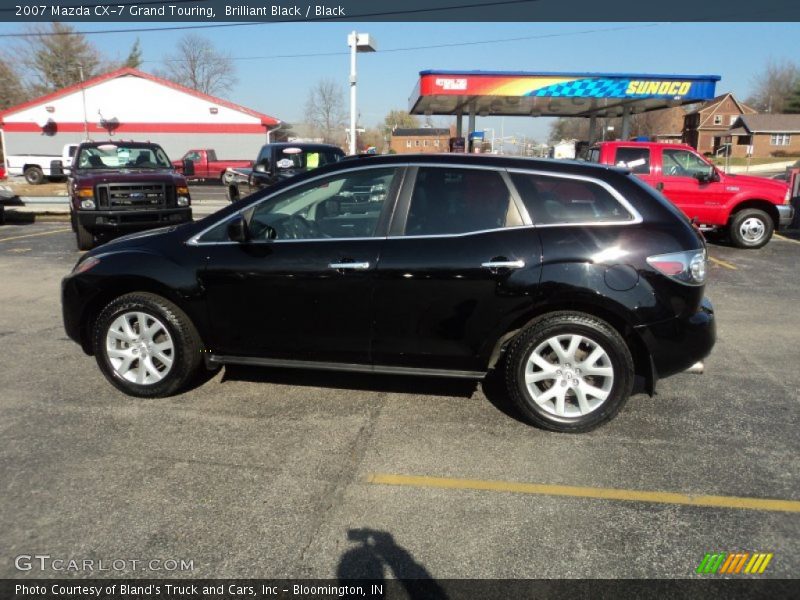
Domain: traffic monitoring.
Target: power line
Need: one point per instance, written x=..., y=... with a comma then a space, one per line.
x=434, y=46
x=391, y=13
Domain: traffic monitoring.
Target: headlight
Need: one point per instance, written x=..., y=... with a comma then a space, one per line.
x=85, y=265
x=183, y=201
x=87, y=203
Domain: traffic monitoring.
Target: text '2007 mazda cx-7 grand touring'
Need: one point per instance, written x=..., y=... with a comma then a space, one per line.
x=576, y=280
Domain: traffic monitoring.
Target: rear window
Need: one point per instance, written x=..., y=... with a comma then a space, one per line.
x=553, y=200
x=636, y=159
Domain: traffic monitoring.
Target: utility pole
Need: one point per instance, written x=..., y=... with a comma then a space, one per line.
x=83, y=97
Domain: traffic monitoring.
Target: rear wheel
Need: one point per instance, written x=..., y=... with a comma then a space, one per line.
x=751, y=228
x=146, y=346
x=569, y=372
x=83, y=236
x=34, y=175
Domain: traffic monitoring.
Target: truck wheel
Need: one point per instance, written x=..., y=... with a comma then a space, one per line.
x=34, y=175
x=227, y=178
x=146, y=346
x=750, y=228
x=84, y=236
x=233, y=192
x=569, y=372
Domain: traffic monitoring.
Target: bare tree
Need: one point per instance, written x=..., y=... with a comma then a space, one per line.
x=198, y=65
x=50, y=57
x=11, y=92
x=325, y=110
x=774, y=86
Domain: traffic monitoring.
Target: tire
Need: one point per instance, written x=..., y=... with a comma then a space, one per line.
x=603, y=392
x=34, y=175
x=750, y=228
x=146, y=366
x=83, y=236
x=226, y=178
x=233, y=193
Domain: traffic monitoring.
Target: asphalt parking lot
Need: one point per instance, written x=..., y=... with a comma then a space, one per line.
x=269, y=473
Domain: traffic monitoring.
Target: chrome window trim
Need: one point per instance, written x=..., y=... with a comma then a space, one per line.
x=195, y=239
x=637, y=218
x=453, y=235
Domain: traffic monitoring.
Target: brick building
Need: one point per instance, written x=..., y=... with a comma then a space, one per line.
x=424, y=139
x=705, y=128
x=769, y=135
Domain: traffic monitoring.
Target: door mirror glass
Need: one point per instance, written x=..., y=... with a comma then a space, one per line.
x=238, y=231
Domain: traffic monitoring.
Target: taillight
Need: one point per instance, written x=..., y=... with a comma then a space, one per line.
x=688, y=267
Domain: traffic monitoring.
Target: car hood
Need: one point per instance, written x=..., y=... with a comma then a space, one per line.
x=750, y=181
x=134, y=240
x=99, y=176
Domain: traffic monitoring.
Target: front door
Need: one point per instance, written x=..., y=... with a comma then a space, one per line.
x=301, y=288
x=699, y=200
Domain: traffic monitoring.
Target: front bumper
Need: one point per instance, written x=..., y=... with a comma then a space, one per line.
x=676, y=344
x=785, y=215
x=98, y=221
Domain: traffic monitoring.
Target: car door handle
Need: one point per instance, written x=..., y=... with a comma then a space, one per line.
x=503, y=264
x=357, y=266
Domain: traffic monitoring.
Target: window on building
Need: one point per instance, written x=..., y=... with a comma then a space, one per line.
x=717, y=119
x=425, y=143
x=744, y=140
x=408, y=143
x=416, y=143
x=436, y=143
x=780, y=139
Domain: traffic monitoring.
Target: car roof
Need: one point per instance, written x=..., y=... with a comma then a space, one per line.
x=576, y=167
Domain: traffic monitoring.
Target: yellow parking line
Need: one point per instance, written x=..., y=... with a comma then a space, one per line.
x=722, y=263
x=19, y=237
x=597, y=493
x=783, y=238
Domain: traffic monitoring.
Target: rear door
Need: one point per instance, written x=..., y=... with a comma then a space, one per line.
x=455, y=270
x=639, y=160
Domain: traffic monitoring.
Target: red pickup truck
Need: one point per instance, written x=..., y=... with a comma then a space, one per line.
x=206, y=165
x=747, y=208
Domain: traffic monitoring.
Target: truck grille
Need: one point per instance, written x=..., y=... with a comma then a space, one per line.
x=126, y=196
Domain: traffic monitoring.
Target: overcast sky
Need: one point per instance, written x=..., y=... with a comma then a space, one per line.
x=272, y=81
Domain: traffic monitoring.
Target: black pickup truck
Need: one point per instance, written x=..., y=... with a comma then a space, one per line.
x=279, y=161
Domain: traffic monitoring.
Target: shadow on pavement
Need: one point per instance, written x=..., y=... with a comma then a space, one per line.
x=374, y=555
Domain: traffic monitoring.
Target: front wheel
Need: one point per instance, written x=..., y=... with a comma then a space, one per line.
x=83, y=236
x=227, y=178
x=146, y=346
x=751, y=228
x=569, y=372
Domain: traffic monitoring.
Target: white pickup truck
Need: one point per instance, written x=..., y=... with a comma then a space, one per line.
x=37, y=167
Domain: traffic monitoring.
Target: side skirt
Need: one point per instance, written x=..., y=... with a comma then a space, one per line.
x=216, y=359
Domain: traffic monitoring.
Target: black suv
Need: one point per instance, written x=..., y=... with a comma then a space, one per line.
x=576, y=280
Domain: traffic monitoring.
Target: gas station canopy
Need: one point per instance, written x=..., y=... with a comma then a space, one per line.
x=498, y=93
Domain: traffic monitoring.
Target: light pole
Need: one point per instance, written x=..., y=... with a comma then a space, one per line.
x=83, y=97
x=358, y=42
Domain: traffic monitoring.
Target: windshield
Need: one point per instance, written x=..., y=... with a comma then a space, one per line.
x=119, y=156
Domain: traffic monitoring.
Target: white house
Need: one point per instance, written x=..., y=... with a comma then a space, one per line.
x=132, y=105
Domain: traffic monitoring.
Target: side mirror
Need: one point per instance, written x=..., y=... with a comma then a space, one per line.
x=188, y=167
x=706, y=176
x=262, y=167
x=238, y=230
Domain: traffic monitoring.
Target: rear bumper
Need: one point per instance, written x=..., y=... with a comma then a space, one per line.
x=677, y=344
x=98, y=221
x=785, y=215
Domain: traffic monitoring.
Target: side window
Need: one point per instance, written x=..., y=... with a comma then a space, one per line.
x=453, y=200
x=553, y=200
x=681, y=163
x=593, y=155
x=346, y=205
x=193, y=156
x=636, y=159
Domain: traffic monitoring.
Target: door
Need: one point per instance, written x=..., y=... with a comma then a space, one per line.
x=454, y=270
x=301, y=288
x=700, y=200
